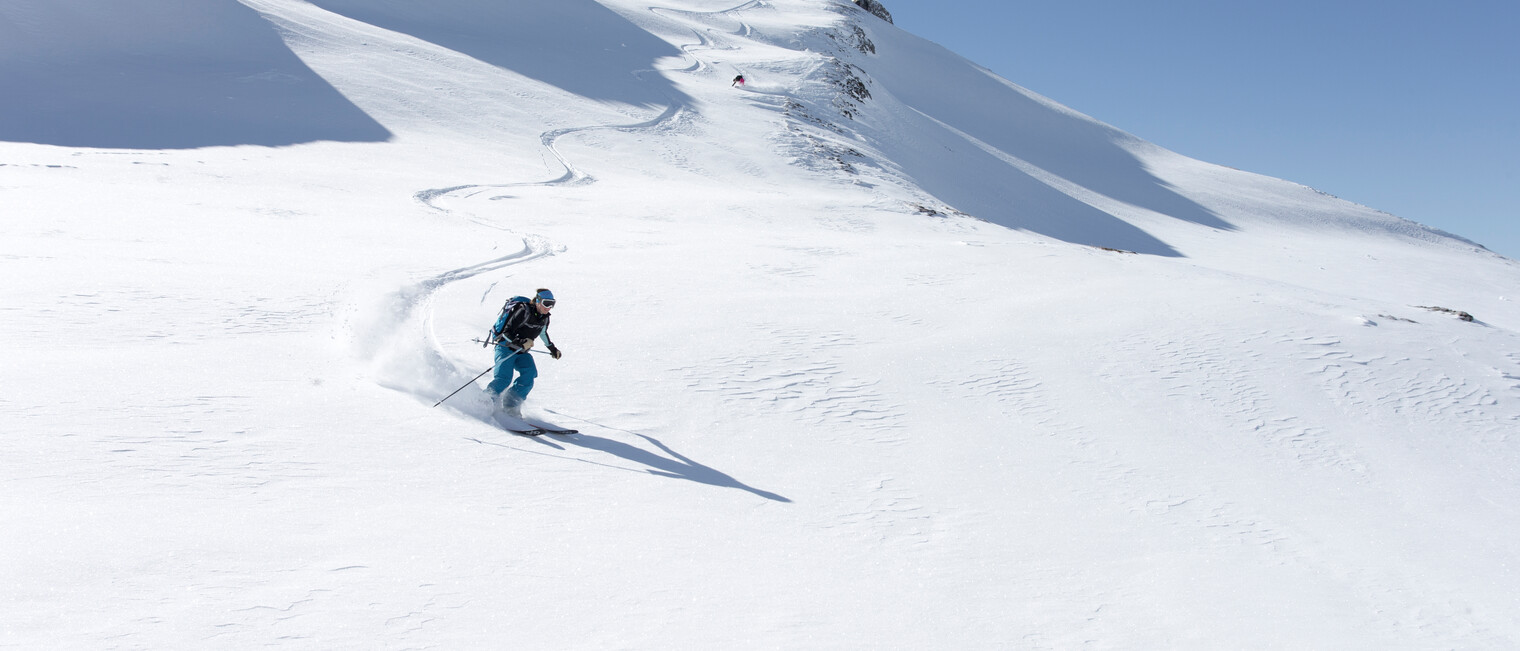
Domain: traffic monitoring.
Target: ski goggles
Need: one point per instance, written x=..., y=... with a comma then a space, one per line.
x=546, y=302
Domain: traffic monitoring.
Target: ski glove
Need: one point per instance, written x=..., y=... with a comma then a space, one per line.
x=525, y=344
x=554, y=351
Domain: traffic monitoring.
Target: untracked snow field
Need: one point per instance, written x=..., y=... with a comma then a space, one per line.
x=877, y=350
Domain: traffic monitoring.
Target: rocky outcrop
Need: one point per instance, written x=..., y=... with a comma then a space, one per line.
x=1446, y=310
x=875, y=8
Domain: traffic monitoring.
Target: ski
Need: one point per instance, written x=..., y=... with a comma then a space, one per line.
x=525, y=427
x=539, y=431
x=528, y=432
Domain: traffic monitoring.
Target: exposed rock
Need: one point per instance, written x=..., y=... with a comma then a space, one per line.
x=875, y=8
x=857, y=39
x=1459, y=314
x=944, y=211
x=852, y=89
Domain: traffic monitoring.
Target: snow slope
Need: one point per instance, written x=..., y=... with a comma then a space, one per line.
x=852, y=365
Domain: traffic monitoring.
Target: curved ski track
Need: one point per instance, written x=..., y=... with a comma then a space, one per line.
x=574, y=175
x=421, y=294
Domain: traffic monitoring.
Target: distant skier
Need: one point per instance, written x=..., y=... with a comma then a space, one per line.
x=738, y=81
x=522, y=320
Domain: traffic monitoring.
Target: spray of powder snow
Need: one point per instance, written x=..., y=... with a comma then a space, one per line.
x=391, y=332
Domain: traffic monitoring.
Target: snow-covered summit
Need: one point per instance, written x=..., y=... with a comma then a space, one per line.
x=876, y=350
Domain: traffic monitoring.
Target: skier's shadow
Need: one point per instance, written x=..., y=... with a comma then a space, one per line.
x=676, y=465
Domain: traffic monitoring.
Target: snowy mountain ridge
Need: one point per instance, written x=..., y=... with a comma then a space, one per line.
x=877, y=350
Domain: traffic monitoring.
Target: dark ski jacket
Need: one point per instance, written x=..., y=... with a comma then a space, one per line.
x=522, y=323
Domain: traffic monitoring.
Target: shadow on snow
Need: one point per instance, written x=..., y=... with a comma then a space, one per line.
x=670, y=464
x=161, y=74
x=674, y=466
x=577, y=45
x=1009, y=136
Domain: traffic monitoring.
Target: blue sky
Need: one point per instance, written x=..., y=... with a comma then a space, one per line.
x=1408, y=107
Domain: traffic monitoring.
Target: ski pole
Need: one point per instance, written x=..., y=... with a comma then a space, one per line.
x=516, y=351
x=472, y=381
x=519, y=350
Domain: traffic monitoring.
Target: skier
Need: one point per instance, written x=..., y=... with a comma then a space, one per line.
x=738, y=81
x=522, y=320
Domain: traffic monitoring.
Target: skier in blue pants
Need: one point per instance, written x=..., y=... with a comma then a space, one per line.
x=521, y=322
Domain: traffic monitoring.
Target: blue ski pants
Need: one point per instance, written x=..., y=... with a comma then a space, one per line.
x=507, y=362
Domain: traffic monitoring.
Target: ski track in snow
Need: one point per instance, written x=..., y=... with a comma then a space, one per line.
x=402, y=339
x=435, y=199
x=549, y=139
x=811, y=387
x=1278, y=402
x=414, y=305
